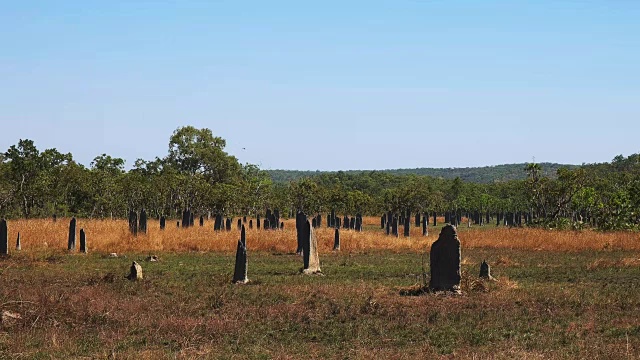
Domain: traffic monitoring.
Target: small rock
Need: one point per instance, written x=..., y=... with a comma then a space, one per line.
x=485, y=271
x=113, y=255
x=152, y=258
x=135, y=272
x=10, y=318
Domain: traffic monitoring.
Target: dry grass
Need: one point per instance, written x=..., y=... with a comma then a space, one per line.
x=113, y=236
x=551, y=240
x=563, y=304
x=610, y=263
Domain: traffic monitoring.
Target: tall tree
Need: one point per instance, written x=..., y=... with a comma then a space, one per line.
x=197, y=151
x=30, y=173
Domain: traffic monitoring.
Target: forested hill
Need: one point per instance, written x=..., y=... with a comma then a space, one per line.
x=486, y=174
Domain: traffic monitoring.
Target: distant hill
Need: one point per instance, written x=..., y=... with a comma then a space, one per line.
x=486, y=174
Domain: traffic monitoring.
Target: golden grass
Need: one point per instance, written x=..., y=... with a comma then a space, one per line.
x=113, y=236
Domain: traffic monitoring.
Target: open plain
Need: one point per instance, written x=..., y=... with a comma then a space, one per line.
x=558, y=295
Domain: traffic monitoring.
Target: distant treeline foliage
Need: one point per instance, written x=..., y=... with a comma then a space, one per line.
x=482, y=175
x=197, y=174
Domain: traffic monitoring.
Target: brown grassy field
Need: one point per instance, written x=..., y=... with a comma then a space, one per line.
x=113, y=236
x=559, y=295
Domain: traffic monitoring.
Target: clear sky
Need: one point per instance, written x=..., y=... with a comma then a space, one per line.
x=330, y=85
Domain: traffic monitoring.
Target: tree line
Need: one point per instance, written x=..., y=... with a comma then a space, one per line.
x=484, y=174
x=197, y=174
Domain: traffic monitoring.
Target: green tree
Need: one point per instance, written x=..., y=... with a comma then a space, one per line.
x=196, y=151
x=30, y=174
x=107, y=174
x=304, y=195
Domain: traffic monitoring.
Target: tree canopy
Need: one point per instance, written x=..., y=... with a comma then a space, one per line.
x=198, y=174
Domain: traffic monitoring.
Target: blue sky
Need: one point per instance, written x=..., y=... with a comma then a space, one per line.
x=329, y=85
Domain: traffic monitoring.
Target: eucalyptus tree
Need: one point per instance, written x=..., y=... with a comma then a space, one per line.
x=197, y=151
x=6, y=188
x=107, y=174
x=30, y=175
x=199, y=156
x=358, y=202
x=255, y=191
x=72, y=192
x=305, y=196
